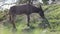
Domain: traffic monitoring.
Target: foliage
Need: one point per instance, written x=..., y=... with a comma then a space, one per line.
x=21, y=1
x=45, y=1
x=52, y=14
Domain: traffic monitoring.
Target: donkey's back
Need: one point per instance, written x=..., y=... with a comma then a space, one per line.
x=26, y=9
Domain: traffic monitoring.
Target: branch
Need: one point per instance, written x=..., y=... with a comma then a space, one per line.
x=8, y=4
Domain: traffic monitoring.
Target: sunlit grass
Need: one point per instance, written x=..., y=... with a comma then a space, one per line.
x=53, y=17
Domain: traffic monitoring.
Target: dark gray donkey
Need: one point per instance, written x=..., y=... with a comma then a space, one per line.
x=25, y=9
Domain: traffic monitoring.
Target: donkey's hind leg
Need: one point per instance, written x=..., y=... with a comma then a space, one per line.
x=28, y=20
x=44, y=19
x=12, y=19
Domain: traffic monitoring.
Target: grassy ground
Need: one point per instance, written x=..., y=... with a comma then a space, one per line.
x=52, y=13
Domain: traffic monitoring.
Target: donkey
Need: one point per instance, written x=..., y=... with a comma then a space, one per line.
x=27, y=10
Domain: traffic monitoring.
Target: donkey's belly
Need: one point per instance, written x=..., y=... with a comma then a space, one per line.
x=20, y=12
x=23, y=12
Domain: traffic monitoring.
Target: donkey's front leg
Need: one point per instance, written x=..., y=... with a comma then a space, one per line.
x=28, y=20
x=45, y=21
x=12, y=18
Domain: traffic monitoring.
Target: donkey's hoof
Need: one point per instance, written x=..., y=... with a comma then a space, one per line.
x=28, y=27
x=32, y=27
x=14, y=30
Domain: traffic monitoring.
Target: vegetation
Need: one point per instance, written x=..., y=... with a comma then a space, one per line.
x=52, y=14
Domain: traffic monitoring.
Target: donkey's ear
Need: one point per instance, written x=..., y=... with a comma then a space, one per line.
x=40, y=7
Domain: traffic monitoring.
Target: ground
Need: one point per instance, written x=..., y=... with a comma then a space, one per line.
x=52, y=13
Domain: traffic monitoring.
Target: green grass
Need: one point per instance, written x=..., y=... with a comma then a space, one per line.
x=52, y=14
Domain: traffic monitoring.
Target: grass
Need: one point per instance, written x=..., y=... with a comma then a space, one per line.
x=52, y=14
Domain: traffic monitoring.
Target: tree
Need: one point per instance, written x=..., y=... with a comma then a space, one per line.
x=45, y=1
x=24, y=1
x=30, y=1
x=21, y=1
x=3, y=0
x=53, y=0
